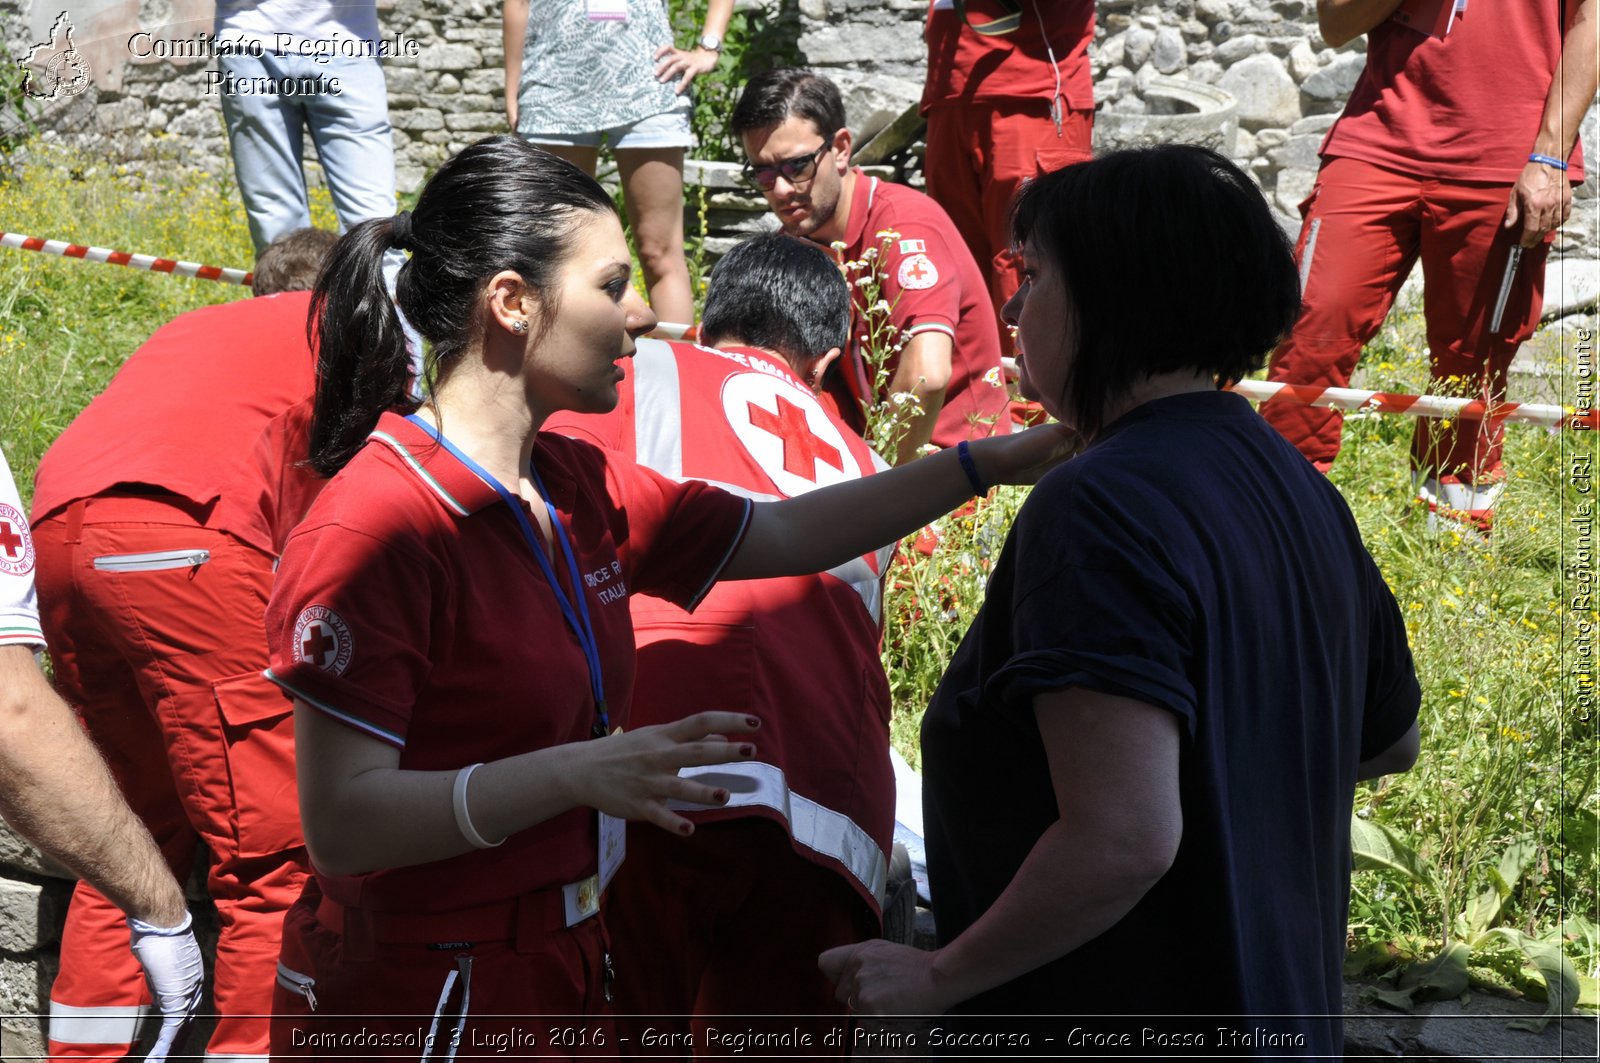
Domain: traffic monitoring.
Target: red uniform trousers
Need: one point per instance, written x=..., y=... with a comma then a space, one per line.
x=506, y=978
x=162, y=658
x=729, y=922
x=978, y=155
x=1364, y=228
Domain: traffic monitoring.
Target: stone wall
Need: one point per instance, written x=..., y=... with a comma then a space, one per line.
x=446, y=91
x=446, y=88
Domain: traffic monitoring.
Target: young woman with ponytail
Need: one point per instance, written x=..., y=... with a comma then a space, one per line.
x=451, y=617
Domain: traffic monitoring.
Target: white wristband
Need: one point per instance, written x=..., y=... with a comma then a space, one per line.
x=458, y=801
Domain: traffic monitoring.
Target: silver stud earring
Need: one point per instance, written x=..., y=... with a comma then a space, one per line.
x=519, y=327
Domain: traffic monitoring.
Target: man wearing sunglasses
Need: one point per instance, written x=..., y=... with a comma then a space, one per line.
x=793, y=127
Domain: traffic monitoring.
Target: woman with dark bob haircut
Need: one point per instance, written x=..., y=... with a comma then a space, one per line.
x=451, y=618
x=1139, y=767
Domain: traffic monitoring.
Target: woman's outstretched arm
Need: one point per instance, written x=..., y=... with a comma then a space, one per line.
x=819, y=529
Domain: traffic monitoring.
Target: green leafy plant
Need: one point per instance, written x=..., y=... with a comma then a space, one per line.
x=756, y=40
x=17, y=123
x=1479, y=926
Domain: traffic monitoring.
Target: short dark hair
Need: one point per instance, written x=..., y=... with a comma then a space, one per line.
x=778, y=292
x=773, y=96
x=1175, y=228
x=292, y=261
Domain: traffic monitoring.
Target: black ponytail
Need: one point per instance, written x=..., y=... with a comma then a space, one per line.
x=363, y=367
x=499, y=205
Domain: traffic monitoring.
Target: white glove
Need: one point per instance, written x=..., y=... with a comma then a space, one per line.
x=170, y=957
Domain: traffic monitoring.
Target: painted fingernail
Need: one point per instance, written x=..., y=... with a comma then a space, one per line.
x=747, y=750
x=751, y=721
x=686, y=830
x=720, y=796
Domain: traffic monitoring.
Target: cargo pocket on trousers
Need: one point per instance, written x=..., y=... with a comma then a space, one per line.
x=258, y=729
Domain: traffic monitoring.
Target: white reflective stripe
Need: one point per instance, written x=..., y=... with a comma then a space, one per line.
x=154, y=561
x=1305, y=257
x=115, y=1025
x=658, y=411
x=858, y=574
x=815, y=826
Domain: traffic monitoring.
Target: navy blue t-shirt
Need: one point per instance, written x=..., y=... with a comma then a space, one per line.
x=1193, y=560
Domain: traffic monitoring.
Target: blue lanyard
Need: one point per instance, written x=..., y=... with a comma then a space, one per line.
x=577, y=620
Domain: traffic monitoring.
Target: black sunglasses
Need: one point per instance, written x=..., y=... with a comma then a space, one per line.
x=795, y=170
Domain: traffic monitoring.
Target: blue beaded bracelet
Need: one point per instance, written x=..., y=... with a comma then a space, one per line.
x=1547, y=160
x=964, y=455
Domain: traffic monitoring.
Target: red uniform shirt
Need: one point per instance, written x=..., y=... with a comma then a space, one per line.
x=1465, y=107
x=800, y=652
x=967, y=67
x=930, y=282
x=187, y=410
x=409, y=606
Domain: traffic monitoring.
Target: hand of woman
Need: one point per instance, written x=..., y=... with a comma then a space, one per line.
x=882, y=978
x=1023, y=457
x=634, y=774
x=684, y=65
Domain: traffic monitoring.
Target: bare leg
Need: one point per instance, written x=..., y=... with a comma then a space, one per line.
x=652, y=190
x=584, y=159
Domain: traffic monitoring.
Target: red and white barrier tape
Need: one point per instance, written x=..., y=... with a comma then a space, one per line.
x=1418, y=405
x=1415, y=405
x=125, y=258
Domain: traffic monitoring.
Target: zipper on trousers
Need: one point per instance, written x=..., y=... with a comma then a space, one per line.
x=154, y=561
x=295, y=982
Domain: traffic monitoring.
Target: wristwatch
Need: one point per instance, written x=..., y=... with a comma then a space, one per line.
x=711, y=42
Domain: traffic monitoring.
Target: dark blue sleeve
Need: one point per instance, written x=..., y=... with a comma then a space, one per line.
x=1097, y=608
x=1393, y=694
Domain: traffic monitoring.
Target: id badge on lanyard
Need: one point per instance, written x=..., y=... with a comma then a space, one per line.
x=612, y=841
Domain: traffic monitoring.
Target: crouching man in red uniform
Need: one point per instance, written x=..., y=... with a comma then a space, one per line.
x=730, y=920
x=157, y=515
x=792, y=125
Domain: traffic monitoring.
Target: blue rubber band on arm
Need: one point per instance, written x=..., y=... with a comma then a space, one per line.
x=1547, y=160
x=968, y=466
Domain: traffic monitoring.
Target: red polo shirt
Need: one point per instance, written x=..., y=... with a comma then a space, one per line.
x=931, y=283
x=409, y=606
x=187, y=411
x=1466, y=107
x=966, y=67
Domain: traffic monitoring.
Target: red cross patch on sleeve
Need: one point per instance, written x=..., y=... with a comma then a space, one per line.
x=16, y=544
x=917, y=271
x=322, y=638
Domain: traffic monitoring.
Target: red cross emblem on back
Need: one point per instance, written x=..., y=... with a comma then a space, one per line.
x=802, y=449
x=10, y=541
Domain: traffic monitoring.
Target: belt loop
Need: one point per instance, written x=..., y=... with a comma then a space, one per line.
x=74, y=521
x=357, y=935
